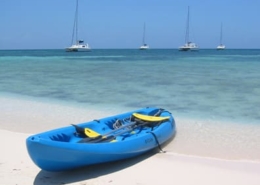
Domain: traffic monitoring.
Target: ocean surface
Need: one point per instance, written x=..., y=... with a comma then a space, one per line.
x=209, y=84
x=213, y=95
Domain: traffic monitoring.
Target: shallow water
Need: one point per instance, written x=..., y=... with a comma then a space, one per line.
x=213, y=95
x=209, y=84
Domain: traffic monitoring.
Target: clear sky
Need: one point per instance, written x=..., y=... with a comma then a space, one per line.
x=47, y=24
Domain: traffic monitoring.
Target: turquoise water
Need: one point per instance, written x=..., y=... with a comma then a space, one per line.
x=209, y=84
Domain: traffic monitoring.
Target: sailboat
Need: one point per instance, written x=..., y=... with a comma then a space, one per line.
x=144, y=46
x=221, y=46
x=188, y=46
x=78, y=44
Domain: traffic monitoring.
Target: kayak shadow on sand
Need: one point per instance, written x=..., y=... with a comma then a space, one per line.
x=90, y=172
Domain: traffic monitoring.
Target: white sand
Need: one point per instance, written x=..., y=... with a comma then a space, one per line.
x=19, y=118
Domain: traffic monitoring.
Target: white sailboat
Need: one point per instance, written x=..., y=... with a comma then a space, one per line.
x=144, y=46
x=78, y=44
x=188, y=46
x=221, y=46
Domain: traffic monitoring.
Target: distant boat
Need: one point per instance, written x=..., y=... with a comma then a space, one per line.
x=221, y=46
x=78, y=44
x=188, y=46
x=144, y=46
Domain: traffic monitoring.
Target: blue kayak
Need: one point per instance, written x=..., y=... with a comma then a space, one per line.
x=108, y=139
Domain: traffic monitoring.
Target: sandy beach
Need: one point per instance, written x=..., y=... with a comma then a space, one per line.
x=20, y=117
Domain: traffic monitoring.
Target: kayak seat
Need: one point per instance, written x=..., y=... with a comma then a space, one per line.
x=149, y=121
x=91, y=133
x=150, y=118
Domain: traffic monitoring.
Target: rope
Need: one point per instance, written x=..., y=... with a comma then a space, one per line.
x=158, y=144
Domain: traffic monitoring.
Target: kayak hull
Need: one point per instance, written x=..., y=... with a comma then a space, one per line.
x=60, y=149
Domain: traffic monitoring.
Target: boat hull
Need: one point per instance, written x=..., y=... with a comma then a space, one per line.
x=221, y=47
x=189, y=47
x=184, y=49
x=77, y=48
x=144, y=47
x=61, y=149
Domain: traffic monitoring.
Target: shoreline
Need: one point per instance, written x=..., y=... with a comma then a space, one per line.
x=19, y=118
x=205, y=138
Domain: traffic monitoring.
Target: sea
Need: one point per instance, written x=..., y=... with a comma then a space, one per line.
x=204, y=87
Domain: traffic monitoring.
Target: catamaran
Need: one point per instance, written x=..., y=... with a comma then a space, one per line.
x=144, y=46
x=221, y=46
x=188, y=46
x=79, y=44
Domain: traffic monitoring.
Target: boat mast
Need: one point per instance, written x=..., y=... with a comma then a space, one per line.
x=75, y=25
x=144, y=35
x=221, y=34
x=77, y=22
x=187, y=26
